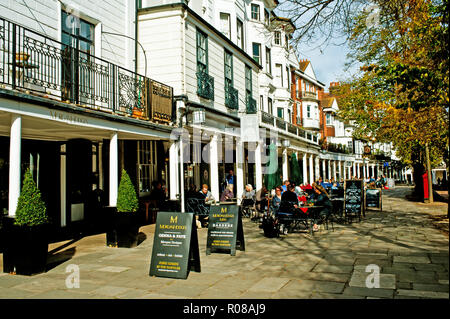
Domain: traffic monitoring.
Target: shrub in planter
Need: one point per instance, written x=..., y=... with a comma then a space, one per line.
x=26, y=244
x=124, y=228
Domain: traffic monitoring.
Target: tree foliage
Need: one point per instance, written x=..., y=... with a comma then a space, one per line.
x=127, y=200
x=31, y=210
x=401, y=92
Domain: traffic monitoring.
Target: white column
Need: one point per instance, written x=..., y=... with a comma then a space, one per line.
x=62, y=181
x=174, y=171
x=113, y=170
x=285, y=164
x=214, y=166
x=305, y=170
x=354, y=170
x=358, y=170
x=311, y=169
x=15, y=147
x=317, y=168
x=239, y=169
x=344, y=171
x=339, y=169
x=258, y=167
x=323, y=170
x=329, y=170
x=367, y=172
x=334, y=170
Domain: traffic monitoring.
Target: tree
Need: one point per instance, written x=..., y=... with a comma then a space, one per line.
x=31, y=210
x=126, y=198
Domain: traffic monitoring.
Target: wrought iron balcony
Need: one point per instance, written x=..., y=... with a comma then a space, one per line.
x=292, y=128
x=280, y=123
x=267, y=118
x=231, y=97
x=251, y=105
x=309, y=95
x=35, y=63
x=205, y=85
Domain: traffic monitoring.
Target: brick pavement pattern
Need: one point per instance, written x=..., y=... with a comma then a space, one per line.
x=411, y=253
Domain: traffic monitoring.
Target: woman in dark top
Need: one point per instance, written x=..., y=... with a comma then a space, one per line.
x=322, y=199
x=289, y=200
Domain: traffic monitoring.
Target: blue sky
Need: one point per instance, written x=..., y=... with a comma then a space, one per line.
x=327, y=62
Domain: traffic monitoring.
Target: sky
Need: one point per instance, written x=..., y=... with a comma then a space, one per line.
x=328, y=62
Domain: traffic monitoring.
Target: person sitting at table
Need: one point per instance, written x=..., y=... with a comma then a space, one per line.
x=335, y=186
x=276, y=200
x=227, y=195
x=289, y=201
x=192, y=192
x=206, y=195
x=321, y=199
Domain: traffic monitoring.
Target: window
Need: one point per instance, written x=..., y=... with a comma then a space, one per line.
x=261, y=103
x=147, y=167
x=266, y=17
x=286, y=41
x=316, y=112
x=202, y=52
x=240, y=33
x=269, y=105
x=279, y=73
x=255, y=12
x=350, y=146
x=328, y=116
x=289, y=116
x=268, y=61
x=225, y=24
x=257, y=52
x=277, y=37
x=78, y=34
x=288, y=78
x=248, y=81
x=228, y=57
x=308, y=111
x=280, y=112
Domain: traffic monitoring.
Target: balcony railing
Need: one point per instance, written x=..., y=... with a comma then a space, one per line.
x=309, y=95
x=205, y=85
x=267, y=118
x=292, y=128
x=280, y=123
x=231, y=97
x=251, y=105
x=32, y=62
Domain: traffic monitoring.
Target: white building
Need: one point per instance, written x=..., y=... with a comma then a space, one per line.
x=71, y=106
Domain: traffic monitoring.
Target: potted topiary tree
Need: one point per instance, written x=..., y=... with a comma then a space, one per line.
x=26, y=245
x=124, y=229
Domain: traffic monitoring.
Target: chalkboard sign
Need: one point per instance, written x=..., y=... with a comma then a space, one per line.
x=175, y=246
x=225, y=232
x=353, y=198
x=374, y=198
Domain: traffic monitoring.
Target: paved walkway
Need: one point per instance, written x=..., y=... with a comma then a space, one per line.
x=411, y=253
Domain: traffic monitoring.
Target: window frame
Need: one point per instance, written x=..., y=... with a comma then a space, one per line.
x=257, y=13
x=228, y=15
x=240, y=35
x=269, y=60
x=198, y=47
x=259, y=52
x=228, y=81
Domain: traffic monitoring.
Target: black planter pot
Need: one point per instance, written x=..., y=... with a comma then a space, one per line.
x=25, y=248
x=123, y=231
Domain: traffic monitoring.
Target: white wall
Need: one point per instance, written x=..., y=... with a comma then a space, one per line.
x=44, y=16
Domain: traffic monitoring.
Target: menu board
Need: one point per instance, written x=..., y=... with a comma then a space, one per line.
x=374, y=198
x=175, y=246
x=225, y=232
x=353, y=198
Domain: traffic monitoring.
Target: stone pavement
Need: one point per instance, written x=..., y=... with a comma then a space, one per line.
x=411, y=253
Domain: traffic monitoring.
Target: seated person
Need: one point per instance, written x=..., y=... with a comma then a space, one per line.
x=206, y=195
x=261, y=200
x=289, y=201
x=227, y=195
x=321, y=199
x=248, y=196
x=276, y=200
x=335, y=186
